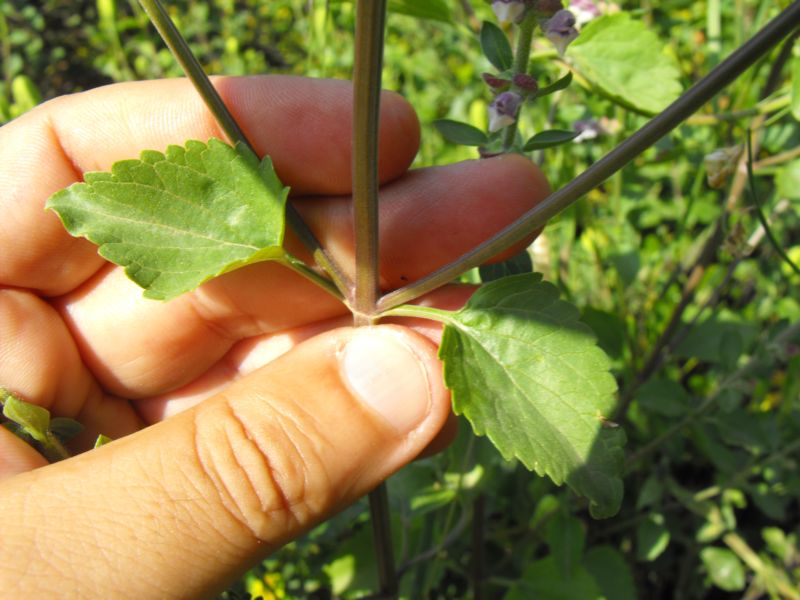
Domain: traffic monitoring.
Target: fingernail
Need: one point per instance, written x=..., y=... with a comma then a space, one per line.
x=385, y=374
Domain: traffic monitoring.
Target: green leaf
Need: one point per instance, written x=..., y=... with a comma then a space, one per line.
x=663, y=396
x=543, y=581
x=34, y=420
x=520, y=263
x=65, y=428
x=548, y=139
x=556, y=86
x=526, y=373
x=460, y=133
x=176, y=220
x=432, y=10
x=102, y=440
x=788, y=179
x=627, y=62
x=724, y=568
x=611, y=572
x=652, y=538
x=496, y=47
x=566, y=540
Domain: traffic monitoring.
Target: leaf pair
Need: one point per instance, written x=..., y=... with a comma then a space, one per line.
x=523, y=370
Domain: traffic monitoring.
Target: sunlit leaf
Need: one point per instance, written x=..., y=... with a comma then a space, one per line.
x=626, y=61
x=175, y=220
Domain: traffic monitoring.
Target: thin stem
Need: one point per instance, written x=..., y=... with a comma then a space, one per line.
x=370, y=25
x=522, y=54
x=382, y=536
x=645, y=137
x=301, y=268
x=194, y=71
x=760, y=213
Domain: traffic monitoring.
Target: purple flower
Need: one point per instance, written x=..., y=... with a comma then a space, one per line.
x=508, y=10
x=503, y=110
x=587, y=129
x=560, y=29
x=584, y=10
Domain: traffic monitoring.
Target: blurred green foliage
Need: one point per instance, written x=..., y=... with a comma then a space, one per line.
x=698, y=312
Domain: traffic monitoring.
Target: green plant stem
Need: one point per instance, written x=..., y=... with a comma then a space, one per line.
x=194, y=71
x=522, y=55
x=645, y=137
x=370, y=25
x=760, y=213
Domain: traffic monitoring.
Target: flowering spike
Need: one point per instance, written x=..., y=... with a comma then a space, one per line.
x=508, y=11
x=560, y=29
x=503, y=110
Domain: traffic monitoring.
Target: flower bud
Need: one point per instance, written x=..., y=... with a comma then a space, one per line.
x=503, y=110
x=508, y=11
x=498, y=84
x=527, y=83
x=548, y=7
x=560, y=30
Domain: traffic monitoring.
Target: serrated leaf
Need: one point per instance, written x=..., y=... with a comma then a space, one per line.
x=626, y=61
x=175, y=220
x=495, y=46
x=548, y=139
x=528, y=374
x=460, y=133
x=34, y=420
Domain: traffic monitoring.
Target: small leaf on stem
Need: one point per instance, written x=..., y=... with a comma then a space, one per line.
x=549, y=138
x=460, y=133
x=496, y=47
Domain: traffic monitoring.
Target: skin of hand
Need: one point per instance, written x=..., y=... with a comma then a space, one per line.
x=279, y=414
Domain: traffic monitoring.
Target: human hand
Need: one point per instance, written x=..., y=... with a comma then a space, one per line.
x=280, y=416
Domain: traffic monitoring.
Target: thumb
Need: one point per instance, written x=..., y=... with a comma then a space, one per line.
x=183, y=507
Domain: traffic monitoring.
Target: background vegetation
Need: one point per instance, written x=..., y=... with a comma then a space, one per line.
x=679, y=281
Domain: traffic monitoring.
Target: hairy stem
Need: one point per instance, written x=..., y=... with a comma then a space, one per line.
x=194, y=71
x=645, y=137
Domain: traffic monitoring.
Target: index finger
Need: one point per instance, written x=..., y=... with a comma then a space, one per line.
x=303, y=124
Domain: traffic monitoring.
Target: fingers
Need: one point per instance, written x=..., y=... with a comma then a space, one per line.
x=229, y=481
x=303, y=124
x=428, y=218
x=16, y=456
